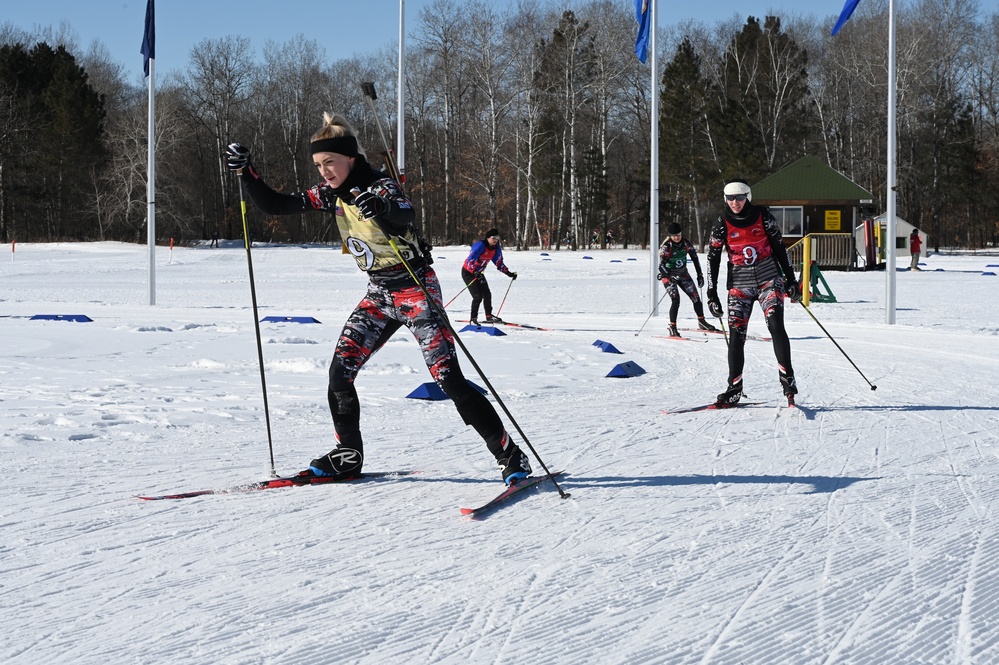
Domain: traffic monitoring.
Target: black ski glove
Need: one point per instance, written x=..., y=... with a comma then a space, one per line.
x=661, y=275
x=237, y=156
x=513, y=275
x=714, y=305
x=793, y=291
x=371, y=206
x=700, y=280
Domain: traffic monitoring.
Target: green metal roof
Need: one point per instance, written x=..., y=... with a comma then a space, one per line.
x=809, y=179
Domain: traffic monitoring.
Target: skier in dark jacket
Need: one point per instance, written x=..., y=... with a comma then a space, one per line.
x=758, y=270
x=673, y=255
x=393, y=299
x=473, y=274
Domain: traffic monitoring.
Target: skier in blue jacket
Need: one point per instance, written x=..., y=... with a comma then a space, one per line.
x=483, y=251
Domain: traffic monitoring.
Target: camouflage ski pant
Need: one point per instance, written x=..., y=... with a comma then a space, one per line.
x=381, y=312
x=674, y=283
x=770, y=295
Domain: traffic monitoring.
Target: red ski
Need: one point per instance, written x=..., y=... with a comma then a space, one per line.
x=510, y=491
x=680, y=339
x=290, y=481
x=719, y=332
x=710, y=407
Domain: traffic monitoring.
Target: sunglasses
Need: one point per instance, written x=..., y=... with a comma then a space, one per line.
x=493, y=237
x=735, y=197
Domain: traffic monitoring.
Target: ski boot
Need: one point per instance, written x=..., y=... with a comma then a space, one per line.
x=493, y=319
x=702, y=324
x=475, y=321
x=515, y=465
x=673, y=332
x=338, y=464
x=731, y=396
x=789, y=387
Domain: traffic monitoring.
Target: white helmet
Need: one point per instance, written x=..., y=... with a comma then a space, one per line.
x=739, y=187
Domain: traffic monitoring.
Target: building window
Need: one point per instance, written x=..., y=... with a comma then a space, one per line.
x=788, y=219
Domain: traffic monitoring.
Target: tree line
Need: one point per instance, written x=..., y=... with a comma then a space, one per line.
x=534, y=120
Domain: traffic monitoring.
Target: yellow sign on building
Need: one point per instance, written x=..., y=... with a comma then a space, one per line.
x=834, y=220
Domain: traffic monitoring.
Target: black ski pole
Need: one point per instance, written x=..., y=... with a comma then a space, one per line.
x=650, y=315
x=503, y=302
x=256, y=322
x=721, y=325
x=474, y=279
x=873, y=387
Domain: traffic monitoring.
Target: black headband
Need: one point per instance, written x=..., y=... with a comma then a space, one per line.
x=342, y=145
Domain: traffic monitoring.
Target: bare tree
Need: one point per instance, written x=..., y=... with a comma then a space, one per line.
x=217, y=87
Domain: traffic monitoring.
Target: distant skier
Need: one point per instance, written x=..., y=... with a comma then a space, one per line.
x=393, y=298
x=758, y=269
x=673, y=272
x=472, y=273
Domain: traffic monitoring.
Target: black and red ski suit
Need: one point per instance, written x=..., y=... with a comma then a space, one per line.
x=758, y=269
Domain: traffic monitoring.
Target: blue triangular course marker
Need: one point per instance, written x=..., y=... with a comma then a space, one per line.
x=632, y=258
x=544, y=253
x=289, y=319
x=80, y=318
x=625, y=370
x=588, y=257
x=606, y=347
x=489, y=330
x=615, y=261
x=988, y=272
x=432, y=392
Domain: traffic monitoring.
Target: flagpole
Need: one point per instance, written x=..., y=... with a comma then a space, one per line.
x=151, y=190
x=654, y=165
x=400, y=156
x=891, y=182
x=148, y=51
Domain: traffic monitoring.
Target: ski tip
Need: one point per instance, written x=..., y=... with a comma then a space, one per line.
x=467, y=511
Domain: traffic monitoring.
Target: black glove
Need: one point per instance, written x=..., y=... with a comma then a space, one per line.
x=793, y=291
x=370, y=205
x=513, y=275
x=714, y=305
x=661, y=276
x=237, y=156
x=700, y=280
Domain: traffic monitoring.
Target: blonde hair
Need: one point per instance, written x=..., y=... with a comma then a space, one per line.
x=334, y=127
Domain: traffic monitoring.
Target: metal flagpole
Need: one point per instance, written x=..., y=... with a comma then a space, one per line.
x=400, y=150
x=654, y=171
x=151, y=190
x=892, y=148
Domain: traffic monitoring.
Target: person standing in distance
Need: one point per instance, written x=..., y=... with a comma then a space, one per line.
x=472, y=274
x=758, y=270
x=673, y=255
x=370, y=207
x=915, y=245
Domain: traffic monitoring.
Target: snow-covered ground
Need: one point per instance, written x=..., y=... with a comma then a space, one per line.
x=862, y=527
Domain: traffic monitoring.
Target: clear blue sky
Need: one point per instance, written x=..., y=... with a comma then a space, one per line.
x=180, y=24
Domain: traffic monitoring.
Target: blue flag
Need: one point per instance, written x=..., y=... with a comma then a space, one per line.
x=148, y=49
x=644, y=18
x=845, y=15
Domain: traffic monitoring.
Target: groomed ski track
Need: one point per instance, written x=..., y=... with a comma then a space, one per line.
x=859, y=528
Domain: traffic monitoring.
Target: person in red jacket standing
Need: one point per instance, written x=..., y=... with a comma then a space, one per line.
x=915, y=245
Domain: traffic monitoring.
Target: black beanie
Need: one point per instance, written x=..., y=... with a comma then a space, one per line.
x=674, y=229
x=492, y=232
